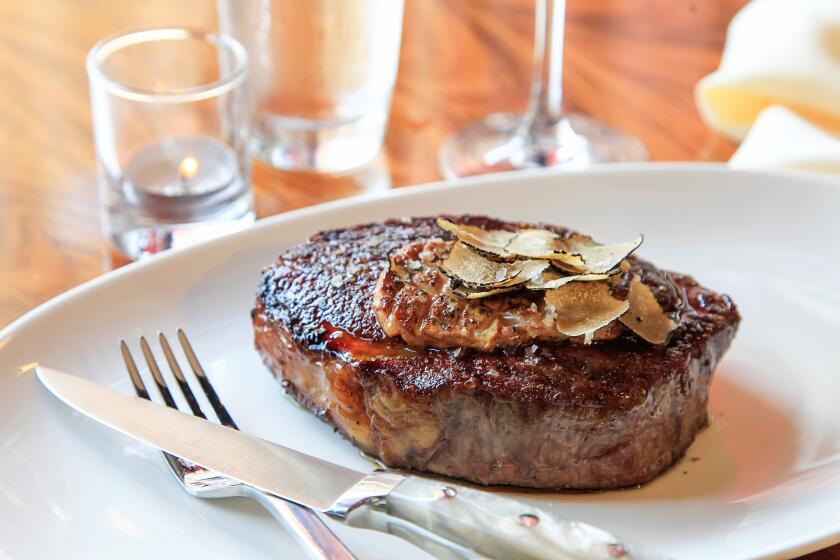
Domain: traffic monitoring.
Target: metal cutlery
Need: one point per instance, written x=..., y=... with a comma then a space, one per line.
x=445, y=519
x=309, y=530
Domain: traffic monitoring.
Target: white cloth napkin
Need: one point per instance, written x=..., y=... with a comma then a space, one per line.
x=778, y=85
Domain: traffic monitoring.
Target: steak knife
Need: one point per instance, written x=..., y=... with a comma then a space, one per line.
x=447, y=520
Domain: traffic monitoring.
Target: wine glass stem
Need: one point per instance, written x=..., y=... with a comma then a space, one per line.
x=545, y=105
x=544, y=136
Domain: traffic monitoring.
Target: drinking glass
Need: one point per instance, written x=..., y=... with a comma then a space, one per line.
x=170, y=125
x=323, y=72
x=546, y=135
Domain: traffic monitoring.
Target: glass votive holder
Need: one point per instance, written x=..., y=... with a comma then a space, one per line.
x=170, y=123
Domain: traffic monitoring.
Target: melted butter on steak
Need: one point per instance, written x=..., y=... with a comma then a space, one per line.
x=414, y=300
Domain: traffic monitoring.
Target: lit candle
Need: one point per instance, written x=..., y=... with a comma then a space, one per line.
x=188, y=168
x=181, y=167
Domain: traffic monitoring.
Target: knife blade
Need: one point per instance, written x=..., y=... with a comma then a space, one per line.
x=269, y=467
x=447, y=520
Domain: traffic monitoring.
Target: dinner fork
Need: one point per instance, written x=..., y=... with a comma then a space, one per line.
x=308, y=529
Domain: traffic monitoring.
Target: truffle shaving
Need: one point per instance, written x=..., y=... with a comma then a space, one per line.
x=584, y=307
x=645, y=316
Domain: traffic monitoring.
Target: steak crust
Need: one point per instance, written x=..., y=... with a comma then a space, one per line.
x=547, y=415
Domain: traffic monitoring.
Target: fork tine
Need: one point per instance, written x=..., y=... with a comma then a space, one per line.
x=136, y=380
x=159, y=381
x=309, y=530
x=206, y=386
x=179, y=377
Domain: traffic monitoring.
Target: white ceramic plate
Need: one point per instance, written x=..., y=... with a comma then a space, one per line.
x=762, y=481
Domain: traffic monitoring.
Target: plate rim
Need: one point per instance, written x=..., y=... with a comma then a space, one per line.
x=813, y=178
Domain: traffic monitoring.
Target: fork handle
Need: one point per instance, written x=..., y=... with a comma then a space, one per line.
x=319, y=542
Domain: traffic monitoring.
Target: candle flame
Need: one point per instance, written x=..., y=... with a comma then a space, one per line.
x=188, y=167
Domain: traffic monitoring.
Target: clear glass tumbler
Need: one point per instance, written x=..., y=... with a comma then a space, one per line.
x=322, y=76
x=170, y=123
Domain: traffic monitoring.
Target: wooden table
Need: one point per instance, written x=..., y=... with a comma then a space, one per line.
x=631, y=63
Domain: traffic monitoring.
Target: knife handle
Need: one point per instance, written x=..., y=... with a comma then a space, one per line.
x=452, y=521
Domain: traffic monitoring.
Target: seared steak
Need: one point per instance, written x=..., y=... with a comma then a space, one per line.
x=534, y=411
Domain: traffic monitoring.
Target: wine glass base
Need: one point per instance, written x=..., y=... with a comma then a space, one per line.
x=491, y=146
